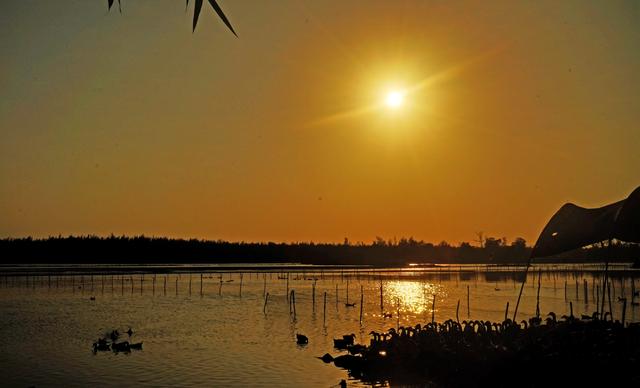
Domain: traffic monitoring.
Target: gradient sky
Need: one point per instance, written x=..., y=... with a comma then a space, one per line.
x=131, y=124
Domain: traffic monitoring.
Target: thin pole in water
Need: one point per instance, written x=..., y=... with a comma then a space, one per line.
x=398, y=314
x=324, y=310
x=468, y=304
x=506, y=311
x=457, y=310
x=433, y=309
x=361, y=302
x=266, y=299
x=336, y=296
x=200, y=284
x=313, y=297
x=381, y=297
x=538, y=295
x=241, y=276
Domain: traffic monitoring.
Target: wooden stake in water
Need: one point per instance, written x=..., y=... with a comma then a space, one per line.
x=154, y=284
x=381, y=298
x=165, y=285
x=609, y=297
x=264, y=287
x=571, y=309
x=241, y=275
x=398, y=315
x=266, y=299
x=457, y=310
x=324, y=310
x=433, y=309
x=506, y=311
x=336, y=297
x=287, y=285
x=347, y=290
x=565, y=290
x=586, y=291
x=293, y=298
x=468, y=305
x=624, y=310
x=200, y=284
x=313, y=297
x=361, y=300
x=190, y=283
x=538, y=295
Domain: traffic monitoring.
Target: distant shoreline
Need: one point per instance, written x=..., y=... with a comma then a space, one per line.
x=123, y=250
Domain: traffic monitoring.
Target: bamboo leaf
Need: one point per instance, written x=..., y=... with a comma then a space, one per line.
x=222, y=16
x=196, y=13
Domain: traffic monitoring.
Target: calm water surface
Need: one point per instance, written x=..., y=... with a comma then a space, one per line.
x=222, y=337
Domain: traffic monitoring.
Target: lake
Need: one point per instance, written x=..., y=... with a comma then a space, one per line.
x=224, y=335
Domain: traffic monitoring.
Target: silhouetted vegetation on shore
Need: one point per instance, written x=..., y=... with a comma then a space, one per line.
x=142, y=249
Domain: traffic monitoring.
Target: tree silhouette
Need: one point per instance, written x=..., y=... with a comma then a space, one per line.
x=196, y=12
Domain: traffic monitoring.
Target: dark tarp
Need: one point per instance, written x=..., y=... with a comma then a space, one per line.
x=574, y=227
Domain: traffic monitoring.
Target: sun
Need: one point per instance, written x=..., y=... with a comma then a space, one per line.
x=394, y=99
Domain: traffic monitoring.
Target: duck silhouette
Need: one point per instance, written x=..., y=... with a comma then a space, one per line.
x=344, y=342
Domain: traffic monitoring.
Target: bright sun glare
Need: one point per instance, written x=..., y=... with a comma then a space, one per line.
x=394, y=99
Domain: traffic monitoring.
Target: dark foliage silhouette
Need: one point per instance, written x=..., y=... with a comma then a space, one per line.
x=142, y=249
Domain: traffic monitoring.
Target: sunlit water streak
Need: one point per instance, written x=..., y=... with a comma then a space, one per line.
x=222, y=337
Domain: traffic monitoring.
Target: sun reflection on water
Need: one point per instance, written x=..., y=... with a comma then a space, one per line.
x=414, y=297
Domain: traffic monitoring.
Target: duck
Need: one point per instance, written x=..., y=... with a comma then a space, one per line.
x=302, y=339
x=349, y=305
x=114, y=335
x=344, y=342
x=121, y=347
x=130, y=332
x=136, y=346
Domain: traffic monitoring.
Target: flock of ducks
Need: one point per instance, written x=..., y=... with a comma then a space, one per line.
x=568, y=350
x=108, y=343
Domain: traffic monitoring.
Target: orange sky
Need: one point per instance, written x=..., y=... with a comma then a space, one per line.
x=131, y=124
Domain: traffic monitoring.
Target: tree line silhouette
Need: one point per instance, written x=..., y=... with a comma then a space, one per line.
x=142, y=249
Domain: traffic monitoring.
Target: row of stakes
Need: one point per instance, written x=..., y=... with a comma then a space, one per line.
x=291, y=295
